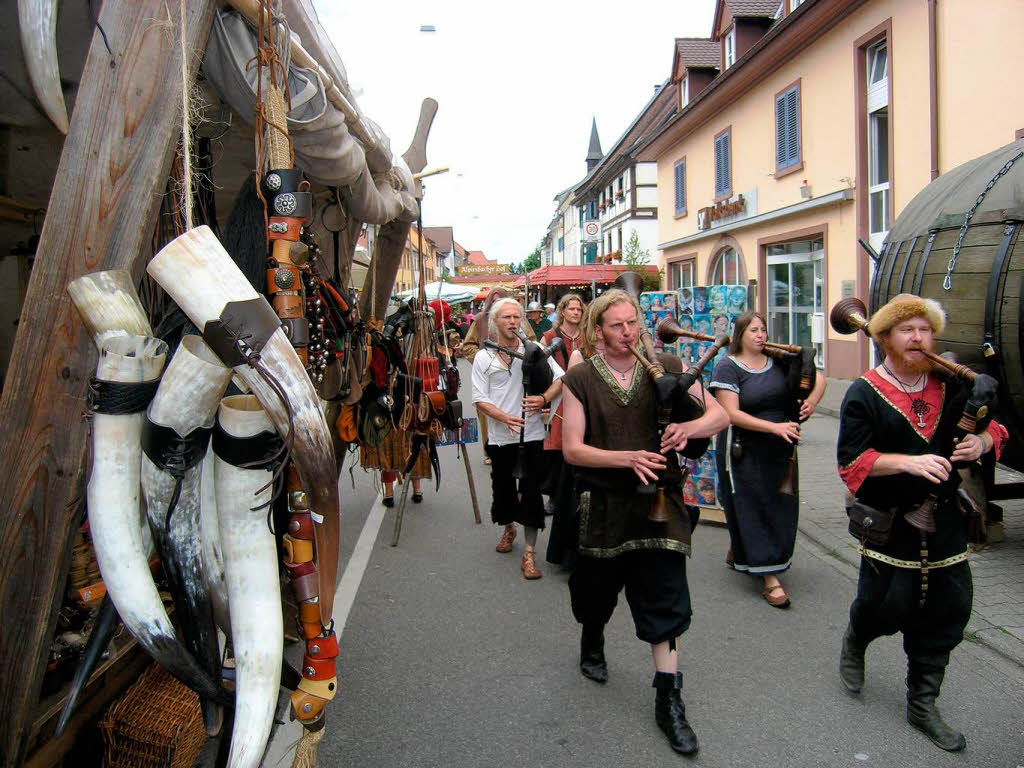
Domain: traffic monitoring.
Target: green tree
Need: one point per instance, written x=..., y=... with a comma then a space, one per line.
x=632, y=254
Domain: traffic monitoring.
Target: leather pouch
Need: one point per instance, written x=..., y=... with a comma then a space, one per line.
x=869, y=525
x=452, y=418
x=736, y=449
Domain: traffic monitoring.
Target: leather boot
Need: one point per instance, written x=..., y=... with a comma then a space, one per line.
x=529, y=566
x=923, y=683
x=507, y=537
x=592, y=661
x=851, y=662
x=670, y=712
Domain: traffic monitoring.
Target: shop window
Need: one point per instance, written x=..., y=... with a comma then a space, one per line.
x=726, y=268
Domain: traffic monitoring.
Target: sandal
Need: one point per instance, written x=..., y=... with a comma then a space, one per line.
x=774, y=600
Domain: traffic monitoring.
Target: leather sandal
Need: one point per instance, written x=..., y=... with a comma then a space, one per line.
x=775, y=600
x=507, y=537
x=529, y=566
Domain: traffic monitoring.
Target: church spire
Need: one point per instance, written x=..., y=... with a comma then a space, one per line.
x=594, y=153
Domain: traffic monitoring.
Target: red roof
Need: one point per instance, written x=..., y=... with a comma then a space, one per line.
x=580, y=275
x=478, y=258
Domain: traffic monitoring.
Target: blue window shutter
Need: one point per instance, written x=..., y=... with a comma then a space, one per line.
x=781, y=132
x=723, y=182
x=792, y=127
x=680, y=186
x=718, y=165
x=726, y=164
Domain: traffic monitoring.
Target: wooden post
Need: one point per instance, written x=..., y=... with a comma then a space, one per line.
x=112, y=173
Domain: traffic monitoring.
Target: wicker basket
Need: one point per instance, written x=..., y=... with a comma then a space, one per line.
x=156, y=723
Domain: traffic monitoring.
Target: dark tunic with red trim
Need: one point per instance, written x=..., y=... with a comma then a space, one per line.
x=877, y=418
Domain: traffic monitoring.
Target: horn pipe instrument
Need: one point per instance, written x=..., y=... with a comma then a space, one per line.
x=537, y=378
x=848, y=316
x=669, y=331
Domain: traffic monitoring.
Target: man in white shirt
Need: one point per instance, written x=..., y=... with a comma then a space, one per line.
x=498, y=393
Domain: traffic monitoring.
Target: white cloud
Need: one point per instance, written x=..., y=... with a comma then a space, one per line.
x=517, y=86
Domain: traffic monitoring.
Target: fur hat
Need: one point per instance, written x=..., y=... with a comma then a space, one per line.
x=903, y=307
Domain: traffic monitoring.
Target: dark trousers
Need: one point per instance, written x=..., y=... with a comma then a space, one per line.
x=656, y=591
x=506, y=505
x=887, y=603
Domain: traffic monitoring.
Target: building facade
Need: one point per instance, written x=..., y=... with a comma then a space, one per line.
x=408, y=274
x=822, y=121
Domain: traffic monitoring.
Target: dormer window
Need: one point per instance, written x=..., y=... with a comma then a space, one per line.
x=684, y=91
x=729, y=55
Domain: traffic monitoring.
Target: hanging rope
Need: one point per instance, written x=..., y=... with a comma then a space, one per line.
x=186, y=129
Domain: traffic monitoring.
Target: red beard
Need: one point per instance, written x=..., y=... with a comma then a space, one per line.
x=913, y=363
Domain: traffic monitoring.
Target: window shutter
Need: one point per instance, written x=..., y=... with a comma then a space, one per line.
x=718, y=165
x=781, y=132
x=792, y=128
x=722, y=180
x=680, y=182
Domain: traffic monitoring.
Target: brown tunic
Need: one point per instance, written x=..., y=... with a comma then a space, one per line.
x=613, y=516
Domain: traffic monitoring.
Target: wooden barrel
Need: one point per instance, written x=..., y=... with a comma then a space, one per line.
x=985, y=298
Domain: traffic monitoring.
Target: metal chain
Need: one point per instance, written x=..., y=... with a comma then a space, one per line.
x=947, y=283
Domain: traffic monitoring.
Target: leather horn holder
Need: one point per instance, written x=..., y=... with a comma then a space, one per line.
x=325, y=689
x=253, y=319
x=288, y=304
x=294, y=205
x=297, y=550
x=306, y=706
x=306, y=587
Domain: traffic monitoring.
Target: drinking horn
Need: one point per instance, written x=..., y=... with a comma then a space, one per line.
x=242, y=328
x=37, y=22
x=175, y=437
x=209, y=545
x=244, y=438
x=113, y=499
x=109, y=307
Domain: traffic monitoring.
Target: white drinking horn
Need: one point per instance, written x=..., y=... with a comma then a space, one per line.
x=114, y=512
x=196, y=271
x=37, y=22
x=109, y=305
x=175, y=439
x=209, y=545
x=254, y=588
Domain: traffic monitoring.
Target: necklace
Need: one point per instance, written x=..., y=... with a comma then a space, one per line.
x=917, y=404
x=622, y=374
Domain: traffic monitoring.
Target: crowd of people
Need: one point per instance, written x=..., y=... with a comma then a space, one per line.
x=592, y=442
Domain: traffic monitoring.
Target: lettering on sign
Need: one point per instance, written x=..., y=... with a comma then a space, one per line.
x=483, y=269
x=720, y=210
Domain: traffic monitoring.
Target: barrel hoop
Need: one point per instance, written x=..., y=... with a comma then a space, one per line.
x=891, y=269
x=906, y=262
x=993, y=356
x=876, y=278
x=919, y=277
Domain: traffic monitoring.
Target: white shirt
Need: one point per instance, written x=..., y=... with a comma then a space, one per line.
x=503, y=387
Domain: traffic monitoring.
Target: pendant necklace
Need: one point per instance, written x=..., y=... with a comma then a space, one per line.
x=622, y=374
x=917, y=404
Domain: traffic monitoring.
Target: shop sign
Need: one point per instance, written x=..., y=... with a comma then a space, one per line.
x=720, y=210
x=483, y=269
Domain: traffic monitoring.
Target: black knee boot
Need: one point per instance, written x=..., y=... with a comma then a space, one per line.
x=592, y=662
x=924, y=679
x=670, y=712
x=851, y=662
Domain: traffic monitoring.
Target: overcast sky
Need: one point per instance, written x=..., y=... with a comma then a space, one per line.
x=517, y=86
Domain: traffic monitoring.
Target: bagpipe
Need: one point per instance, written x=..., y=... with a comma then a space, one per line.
x=537, y=378
x=800, y=380
x=675, y=404
x=848, y=316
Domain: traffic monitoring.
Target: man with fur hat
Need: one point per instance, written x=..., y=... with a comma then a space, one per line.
x=896, y=448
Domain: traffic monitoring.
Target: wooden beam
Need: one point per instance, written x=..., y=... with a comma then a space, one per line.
x=388, y=248
x=111, y=175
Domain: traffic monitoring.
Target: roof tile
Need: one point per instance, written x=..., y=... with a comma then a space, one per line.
x=699, y=52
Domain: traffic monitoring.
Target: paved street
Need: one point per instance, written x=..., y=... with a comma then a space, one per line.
x=450, y=658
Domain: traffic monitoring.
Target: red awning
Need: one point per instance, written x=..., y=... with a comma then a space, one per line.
x=582, y=274
x=481, y=296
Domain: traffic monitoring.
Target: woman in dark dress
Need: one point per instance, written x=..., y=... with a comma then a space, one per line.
x=753, y=454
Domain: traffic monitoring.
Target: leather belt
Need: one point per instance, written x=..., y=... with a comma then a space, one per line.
x=911, y=564
x=325, y=647
x=306, y=587
x=300, y=526
x=306, y=706
x=297, y=550
x=284, y=277
x=288, y=304
x=295, y=205
x=318, y=669
x=279, y=180
x=295, y=570
x=283, y=228
x=325, y=689
x=297, y=330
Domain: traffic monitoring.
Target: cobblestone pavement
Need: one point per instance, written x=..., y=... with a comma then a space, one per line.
x=998, y=618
